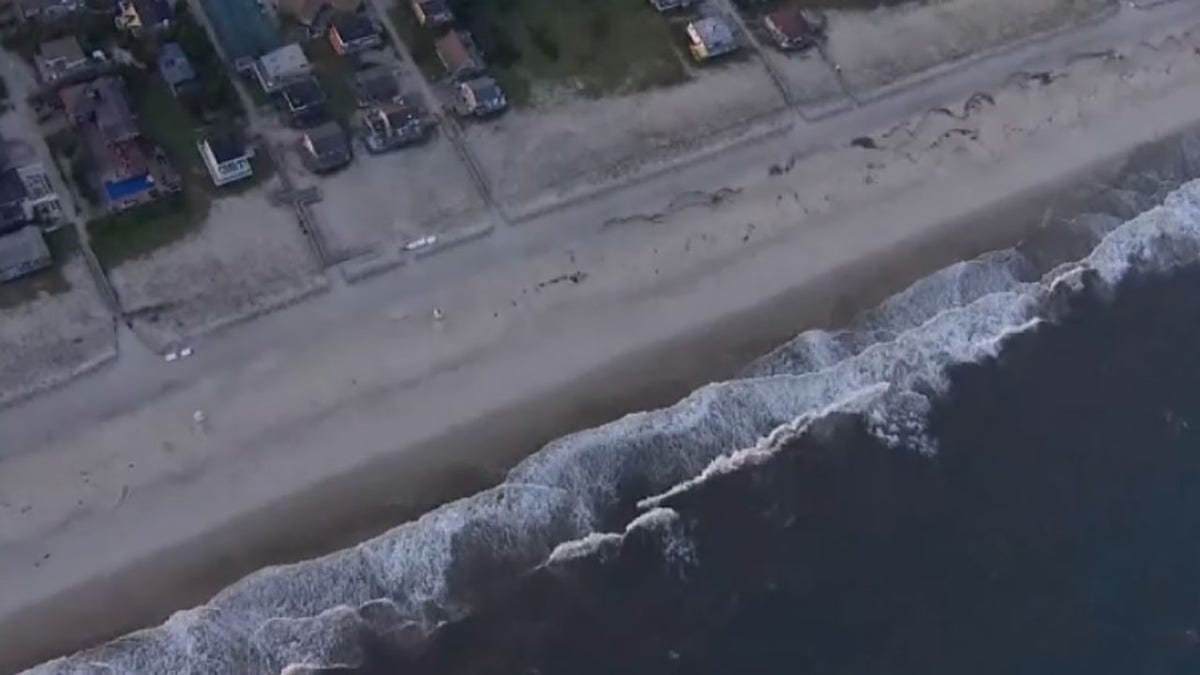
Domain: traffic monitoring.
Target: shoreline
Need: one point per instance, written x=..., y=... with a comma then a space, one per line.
x=711, y=322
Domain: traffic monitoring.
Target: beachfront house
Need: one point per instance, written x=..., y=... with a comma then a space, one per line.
x=100, y=104
x=143, y=16
x=353, y=33
x=227, y=159
x=671, y=5
x=481, y=97
x=790, y=28
x=176, y=70
x=61, y=58
x=458, y=54
x=710, y=37
x=23, y=252
x=303, y=103
x=280, y=67
x=325, y=148
x=375, y=85
x=433, y=13
x=310, y=12
x=392, y=126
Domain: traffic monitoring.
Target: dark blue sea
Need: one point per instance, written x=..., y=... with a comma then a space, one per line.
x=997, y=470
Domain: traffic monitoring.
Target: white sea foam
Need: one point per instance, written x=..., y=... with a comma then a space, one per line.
x=886, y=366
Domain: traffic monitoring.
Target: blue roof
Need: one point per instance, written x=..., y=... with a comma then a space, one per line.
x=123, y=189
x=242, y=27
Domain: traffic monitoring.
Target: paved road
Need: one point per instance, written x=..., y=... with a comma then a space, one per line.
x=140, y=376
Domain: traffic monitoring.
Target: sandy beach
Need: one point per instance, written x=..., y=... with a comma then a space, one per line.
x=118, y=507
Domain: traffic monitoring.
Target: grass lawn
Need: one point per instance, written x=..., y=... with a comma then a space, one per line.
x=597, y=47
x=336, y=75
x=63, y=244
x=137, y=232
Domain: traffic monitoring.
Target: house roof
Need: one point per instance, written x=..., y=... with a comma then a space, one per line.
x=377, y=83
x=12, y=188
x=102, y=102
x=398, y=114
x=434, y=8
x=174, y=65
x=790, y=22
x=307, y=10
x=24, y=247
x=353, y=27
x=152, y=11
x=328, y=138
x=456, y=49
x=713, y=31
x=65, y=48
x=226, y=148
x=287, y=60
x=485, y=89
x=303, y=93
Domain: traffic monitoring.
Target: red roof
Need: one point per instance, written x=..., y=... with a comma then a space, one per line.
x=790, y=22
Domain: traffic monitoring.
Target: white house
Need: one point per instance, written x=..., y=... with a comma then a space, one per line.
x=276, y=69
x=226, y=159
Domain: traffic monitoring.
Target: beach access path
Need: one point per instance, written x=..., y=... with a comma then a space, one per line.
x=105, y=477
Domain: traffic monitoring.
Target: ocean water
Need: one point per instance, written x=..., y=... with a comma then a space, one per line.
x=997, y=470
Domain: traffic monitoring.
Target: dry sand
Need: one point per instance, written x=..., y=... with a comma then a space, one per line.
x=143, y=512
x=248, y=258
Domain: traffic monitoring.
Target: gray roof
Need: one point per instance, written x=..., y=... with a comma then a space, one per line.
x=24, y=248
x=66, y=48
x=174, y=65
x=328, y=138
x=283, y=62
x=713, y=31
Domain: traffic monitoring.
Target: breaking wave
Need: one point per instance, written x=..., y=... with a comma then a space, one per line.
x=582, y=494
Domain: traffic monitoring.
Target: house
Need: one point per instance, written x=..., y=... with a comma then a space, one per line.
x=375, y=85
x=433, y=13
x=100, y=103
x=790, y=28
x=277, y=68
x=122, y=172
x=176, y=69
x=392, y=125
x=710, y=37
x=481, y=97
x=12, y=202
x=41, y=204
x=226, y=158
x=325, y=148
x=35, y=11
x=138, y=16
x=23, y=252
x=307, y=11
x=671, y=5
x=303, y=103
x=60, y=58
x=353, y=33
x=457, y=52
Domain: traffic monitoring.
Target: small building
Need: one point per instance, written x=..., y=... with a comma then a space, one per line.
x=671, y=5
x=433, y=13
x=41, y=204
x=376, y=85
x=57, y=59
x=710, y=37
x=226, y=158
x=325, y=148
x=790, y=29
x=303, y=103
x=12, y=202
x=100, y=103
x=23, y=252
x=39, y=11
x=277, y=68
x=353, y=33
x=481, y=97
x=307, y=12
x=457, y=52
x=176, y=69
x=143, y=16
x=392, y=126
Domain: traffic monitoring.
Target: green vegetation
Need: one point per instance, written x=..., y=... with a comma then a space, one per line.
x=93, y=30
x=63, y=244
x=139, y=231
x=417, y=38
x=215, y=99
x=598, y=47
x=335, y=74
